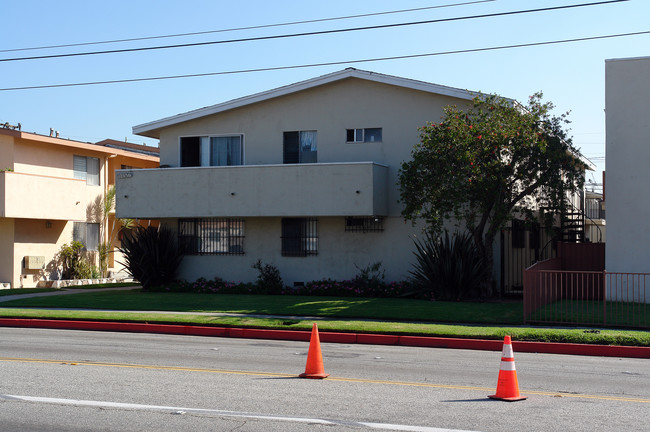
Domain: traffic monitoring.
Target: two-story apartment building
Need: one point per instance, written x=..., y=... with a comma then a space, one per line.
x=49, y=188
x=303, y=177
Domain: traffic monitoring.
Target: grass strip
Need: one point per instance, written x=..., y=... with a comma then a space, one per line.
x=19, y=291
x=604, y=337
x=594, y=312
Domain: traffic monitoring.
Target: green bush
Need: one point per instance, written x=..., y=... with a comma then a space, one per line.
x=450, y=268
x=370, y=279
x=151, y=256
x=76, y=263
x=213, y=286
x=69, y=258
x=84, y=269
x=268, y=279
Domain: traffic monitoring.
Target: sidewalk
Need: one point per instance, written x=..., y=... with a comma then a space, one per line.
x=62, y=291
x=299, y=335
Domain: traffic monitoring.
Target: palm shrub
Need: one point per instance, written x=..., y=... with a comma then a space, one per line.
x=151, y=255
x=449, y=267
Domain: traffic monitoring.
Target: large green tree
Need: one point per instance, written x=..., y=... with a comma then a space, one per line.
x=483, y=163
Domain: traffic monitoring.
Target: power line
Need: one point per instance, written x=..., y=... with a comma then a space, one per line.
x=313, y=33
x=267, y=69
x=257, y=27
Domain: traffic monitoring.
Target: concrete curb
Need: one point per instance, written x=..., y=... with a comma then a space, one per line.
x=347, y=338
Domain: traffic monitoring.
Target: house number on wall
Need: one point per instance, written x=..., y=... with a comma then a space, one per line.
x=124, y=175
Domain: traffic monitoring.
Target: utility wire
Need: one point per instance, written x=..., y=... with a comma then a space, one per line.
x=267, y=69
x=284, y=36
x=257, y=27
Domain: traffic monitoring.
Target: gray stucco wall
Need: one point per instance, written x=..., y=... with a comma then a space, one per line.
x=627, y=194
x=330, y=110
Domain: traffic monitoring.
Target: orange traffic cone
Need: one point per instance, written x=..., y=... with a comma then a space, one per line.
x=507, y=386
x=314, y=368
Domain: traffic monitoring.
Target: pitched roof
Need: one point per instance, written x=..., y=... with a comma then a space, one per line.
x=65, y=142
x=151, y=129
x=124, y=145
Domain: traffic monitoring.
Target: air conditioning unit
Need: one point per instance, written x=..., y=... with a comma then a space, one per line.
x=34, y=262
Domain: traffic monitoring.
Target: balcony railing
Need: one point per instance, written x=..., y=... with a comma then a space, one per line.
x=300, y=190
x=594, y=208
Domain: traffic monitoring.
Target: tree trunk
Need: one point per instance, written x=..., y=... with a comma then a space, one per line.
x=488, y=253
x=484, y=245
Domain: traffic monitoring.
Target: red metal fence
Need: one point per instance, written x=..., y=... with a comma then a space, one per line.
x=575, y=289
x=585, y=298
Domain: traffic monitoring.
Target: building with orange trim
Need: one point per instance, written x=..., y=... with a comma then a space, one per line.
x=50, y=189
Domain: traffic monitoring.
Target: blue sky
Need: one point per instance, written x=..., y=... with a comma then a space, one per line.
x=571, y=75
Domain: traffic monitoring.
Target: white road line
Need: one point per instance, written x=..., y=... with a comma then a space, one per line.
x=221, y=413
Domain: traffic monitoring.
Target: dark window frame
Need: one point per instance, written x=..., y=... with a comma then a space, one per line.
x=364, y=135
x=200, y=150
x=294, y=150
x=299, y=237
x=212, y=236
x=364, y=224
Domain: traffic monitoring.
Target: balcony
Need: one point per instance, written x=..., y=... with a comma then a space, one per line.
x=325, y=189
x=594, y=208
x=41, y=197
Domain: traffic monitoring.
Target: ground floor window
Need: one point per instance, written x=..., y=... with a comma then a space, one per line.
x=211, y=236
x=299, y=236
x=87, y=234
x=364, y=224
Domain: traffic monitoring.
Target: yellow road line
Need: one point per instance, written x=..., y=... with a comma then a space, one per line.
x=338, y=379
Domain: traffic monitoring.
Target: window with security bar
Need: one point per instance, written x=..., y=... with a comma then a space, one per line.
x=364, y=224
x=299, y=236
x=212, y=236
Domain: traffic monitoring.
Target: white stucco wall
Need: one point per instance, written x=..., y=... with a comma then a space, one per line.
x=627, y=96
x=340, y=254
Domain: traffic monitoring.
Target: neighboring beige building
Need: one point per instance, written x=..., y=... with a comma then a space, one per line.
x=627, y=96
x=595, y=222
x=303, y=177
x=48, y=186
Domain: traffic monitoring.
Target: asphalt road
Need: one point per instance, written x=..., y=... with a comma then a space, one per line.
x=63, y=380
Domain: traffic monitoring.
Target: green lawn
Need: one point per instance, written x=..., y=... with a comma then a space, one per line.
x=489, y=320
x=598, y=313
x=16, y=291
x=367, y=308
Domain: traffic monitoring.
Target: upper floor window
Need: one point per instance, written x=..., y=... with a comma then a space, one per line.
x=222, y=150
x=214, y=236
x=363, y=135
x=86, y=168
x=300, y=147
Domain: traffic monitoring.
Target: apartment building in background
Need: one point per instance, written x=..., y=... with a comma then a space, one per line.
x=50, y=188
